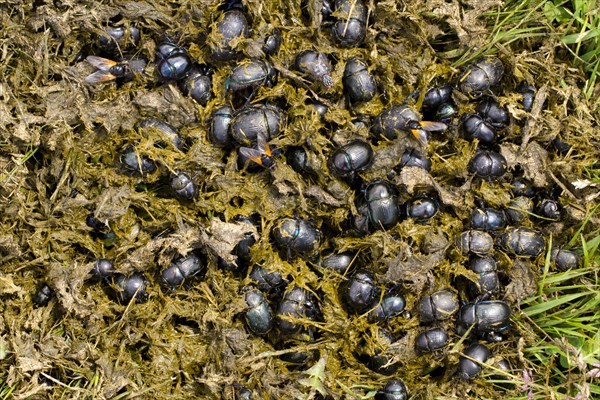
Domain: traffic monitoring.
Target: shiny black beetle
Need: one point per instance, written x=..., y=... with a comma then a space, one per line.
x=549, y=209
x=528, y=92
x=519, y=209
x=339, y=262
x=173, y=62
x=376, y=355
x=102, y=269
x=438, y=306
x=400, y=117
x=436, y=97
x=346, y=161
x=522, y=242
x=358, y=82
x=472, y=360
x=350, y=27
x=378, y=209
x=218, y=132
x=488, y=219
x=360, y=293
x=413, y=157
x=316, y=65
x=486, y=268
x=270, y=282
x=564, y=259
x=394, y=389
x=42, y=295
x=116, y=39
x=480, y=76
x=181, y=271
x=259, y=316
x=251, y=74
x=476, y=242
x=296, y=303
x=299, y=237
x=422, y=208
x=495, y=115
x=166, y=130
x=476, y=127
x=431, y=340
x=231, y=26
x=183, y=187
x=272, y=42
x=198, y=85
x=488, y=319
x=488, y=165
x=252, y=120
x=242, y=249
x=390, y=306
x=128, y=288
x=136, y=165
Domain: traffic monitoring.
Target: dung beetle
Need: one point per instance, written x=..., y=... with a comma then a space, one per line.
x=250, y=74
x=100, y=230
x=377, y=356
x=166, y=130
x=339, y=262
x=564, y=259
x=360, y=292
x=252, y=120
x=488, y=318
x=488, y=282
x=135, y=164
x=522, y=187
x=270, y=282
x=198, y=85
x=523, y=242
x=296, y=236
x=232, y=25
x=445, y=113
x=550, y=209
x=296, y=303
x=259, y=316
x=183, y=187
x=358, y=82
x=42, y=295
x=431, y=340
x=173, y=62
x=109, y=70
x=470, y=363
x=438, y=306
x=488, y=165
x=219, y=126
x=350, y=27
x=436, y=96
x=488, y=219
x=528, y=92
x=518, y=209
x=394, y=389
x=480, y=76
x=297, y=158
x=475, y=127
x=102, y=269
x=127, y=288
x=390, y=306
x=181, y=270
x=346, y=161
x=413, y=157
x=400, y=117
x=560, y=145
x=242, y=392
x=380, y=205
x=493, y=113
x=272, y=42
x=242, y=249
x=476, y=242
x=115, y=39
x=316, y=65
x=422, y=208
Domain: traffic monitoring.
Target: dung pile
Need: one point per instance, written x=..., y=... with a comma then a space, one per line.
x=301, y=200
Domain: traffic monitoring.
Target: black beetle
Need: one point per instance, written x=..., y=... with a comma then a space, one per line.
x=297, y=237
x=549, y=209
x=523, y=242
x=380, y=205
x=135, y=164
x=390, y=306
x=198, y=85
x=522, y=187
x=488, y=318
x=413, y=157
x=109, y=70
x=165, y=129
x=488, y=282
x=115, y=39
x=42, y=295
x=242, y=249
x=470, y=363
x=346, y=161
x=183, y=187
x=219, y=126
x=493, y=113
x=127, y=288
x=400, y=117
x=339, y=262
x=560, y=145
x=475, y=127
x=488, y=219
x=242, y=392
x=270, y=282
x=564, y=259
x=298, y=159
x=431, y=340
x=438, y=306
x=376, y=354
x=173, y=62
x=259, y=316
x=480, y=76
x=394, y=389
x=528, y=92
x=476, y=242
x=232, y=25
x=250, y=74
x=358, y=82
x=445, y=113
x=296, y=303
x=252, y=120
x=436, y=97
x=488, y=164
x=361, y=292
x=518, y=209
x=181, y=270
x=422, y=208
x=272, y=42
x=102, y=269
x=316, y=65
x=350, y=27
